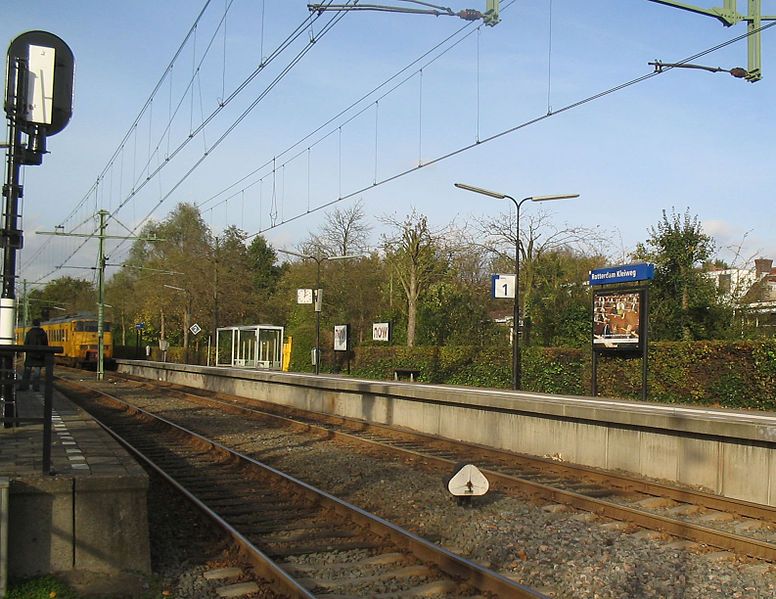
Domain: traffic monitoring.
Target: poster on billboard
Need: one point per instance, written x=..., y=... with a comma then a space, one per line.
x=341, y=337
x=617, y=321
x=381, y=331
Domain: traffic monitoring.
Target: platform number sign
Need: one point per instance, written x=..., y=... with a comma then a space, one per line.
x=304, y=296
x=503, y=286
x=195, y=328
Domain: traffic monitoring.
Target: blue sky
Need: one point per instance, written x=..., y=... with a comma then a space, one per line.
x=685, y=139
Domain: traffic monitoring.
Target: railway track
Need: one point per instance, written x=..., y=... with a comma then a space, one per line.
x=306, y=542
x=737, y=526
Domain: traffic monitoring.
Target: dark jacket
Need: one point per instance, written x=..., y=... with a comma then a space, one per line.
x=35, y=336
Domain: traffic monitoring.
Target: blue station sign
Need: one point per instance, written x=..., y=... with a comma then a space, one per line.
x=628, y=273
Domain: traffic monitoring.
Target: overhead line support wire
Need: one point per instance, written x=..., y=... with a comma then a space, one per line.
x=138, y=188
x=132, y=127
x=522, y=125
x=145, y=106
x=245, y=113
x=285, y=44
x=353, y=104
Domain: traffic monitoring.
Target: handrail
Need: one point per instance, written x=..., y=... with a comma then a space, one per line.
x=10, y=417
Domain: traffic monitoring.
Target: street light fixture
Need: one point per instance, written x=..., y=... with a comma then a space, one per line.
x=516, y=366
x=318, y=303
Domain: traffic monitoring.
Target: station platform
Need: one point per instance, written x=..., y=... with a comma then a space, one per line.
x=726, y=452
x=89, y=513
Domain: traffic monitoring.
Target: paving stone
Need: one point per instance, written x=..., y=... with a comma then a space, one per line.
x=222, y=573
x=720, y=556
x=615, y=526
x=683, y=545
x=584, y=517
x=716, y=517
x=237, y=590
x=748, y=525
x=655, y=502
x=647, y=535
x=684, y=510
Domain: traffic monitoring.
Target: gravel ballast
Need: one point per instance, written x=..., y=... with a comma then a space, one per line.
x=561, y=552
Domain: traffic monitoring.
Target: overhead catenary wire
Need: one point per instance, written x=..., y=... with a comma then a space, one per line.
x=519, y=126
x=130, y=132
x=141, y=182
x=327, y=27
x=301, y=28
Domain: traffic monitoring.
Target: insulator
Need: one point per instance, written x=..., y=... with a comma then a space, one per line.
x=470, y=14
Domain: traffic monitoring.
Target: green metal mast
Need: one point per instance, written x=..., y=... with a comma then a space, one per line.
x=728, y=14
x=101, y=236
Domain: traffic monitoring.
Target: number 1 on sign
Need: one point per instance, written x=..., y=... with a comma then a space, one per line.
x=503, y=286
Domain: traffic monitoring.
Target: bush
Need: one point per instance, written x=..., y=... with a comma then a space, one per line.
x=40, y=588
x=738, y=374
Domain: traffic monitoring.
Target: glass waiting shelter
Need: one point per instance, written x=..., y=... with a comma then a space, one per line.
x=252, y=346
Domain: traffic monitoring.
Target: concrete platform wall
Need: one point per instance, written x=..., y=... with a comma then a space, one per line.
x=726, y=453
x=59, y=524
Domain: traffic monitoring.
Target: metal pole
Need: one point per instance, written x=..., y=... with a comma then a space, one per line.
x=318, y=307
x=48, y=388
x=101, y=298
x=215, y=308
x=644, y=330
x=594, y=357
x=12, y=191
x=516, y=366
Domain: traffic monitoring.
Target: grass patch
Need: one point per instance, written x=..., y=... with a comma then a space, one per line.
x=46, y=587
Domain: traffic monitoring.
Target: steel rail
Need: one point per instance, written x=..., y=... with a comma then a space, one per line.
x=680, y=528
x=451, y=564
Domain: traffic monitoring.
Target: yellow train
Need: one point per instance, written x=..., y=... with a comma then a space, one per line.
x=78, y=337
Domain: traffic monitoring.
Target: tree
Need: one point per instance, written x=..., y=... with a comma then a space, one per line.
x=684, y=303
x=345, y=232
x=562, y=310
x=65, y=295
x=412, y=252
x=538, y=236
x=182, y=258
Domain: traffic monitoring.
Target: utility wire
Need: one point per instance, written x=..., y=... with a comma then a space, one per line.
x=141, y=182
x=132, y=128
x=326, y=28
x=518, y=127
x=353, y=105
x=283, y=45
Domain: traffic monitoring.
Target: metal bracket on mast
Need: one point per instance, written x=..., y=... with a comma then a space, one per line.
x=729, y=15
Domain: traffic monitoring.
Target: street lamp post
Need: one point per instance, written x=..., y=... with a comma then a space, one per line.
x=317, y=300
x=516, y=365
x=187, y=320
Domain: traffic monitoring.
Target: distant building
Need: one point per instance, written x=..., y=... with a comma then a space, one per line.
x=752, y=293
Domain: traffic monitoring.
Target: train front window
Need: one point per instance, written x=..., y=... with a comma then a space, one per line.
x=90, y=326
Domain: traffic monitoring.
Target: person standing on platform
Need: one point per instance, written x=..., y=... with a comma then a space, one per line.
x=34, y=360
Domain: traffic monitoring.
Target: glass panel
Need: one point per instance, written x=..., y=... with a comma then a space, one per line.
x=224, y=349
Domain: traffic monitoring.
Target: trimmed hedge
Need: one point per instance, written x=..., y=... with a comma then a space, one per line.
x=720, y=373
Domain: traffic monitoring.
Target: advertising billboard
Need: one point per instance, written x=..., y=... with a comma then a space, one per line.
x=617, y=320
x=381, y=331
x=341, y=337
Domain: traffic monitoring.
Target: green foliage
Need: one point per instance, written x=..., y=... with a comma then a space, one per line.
x=561, y=313
x=738, y=374
x=451, y=314
x=40, y=588
x=553, y=370
x=61, y=296
x=684, y=302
